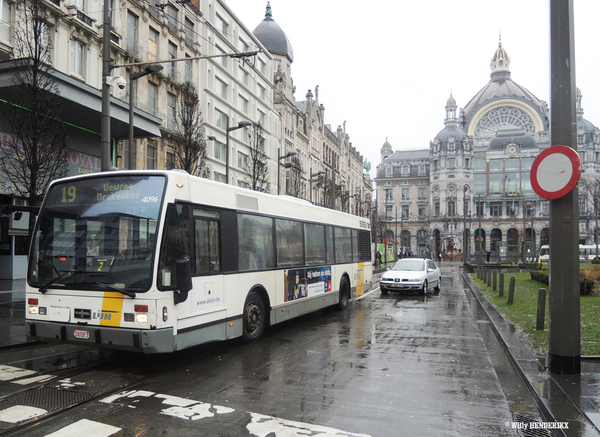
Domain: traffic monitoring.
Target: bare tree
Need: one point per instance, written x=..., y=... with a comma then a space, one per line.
x=35, y=154
x=256, y=164
x=190, y=150
x=297, y=186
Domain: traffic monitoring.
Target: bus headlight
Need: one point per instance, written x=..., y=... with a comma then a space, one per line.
x=141, y=318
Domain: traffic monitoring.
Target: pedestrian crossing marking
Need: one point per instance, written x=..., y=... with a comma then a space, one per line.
x=20, y=413
x=86, y=427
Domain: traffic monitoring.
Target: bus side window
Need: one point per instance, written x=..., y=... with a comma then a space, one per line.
x=175, y=244
x=255, y=239
x=207, y=246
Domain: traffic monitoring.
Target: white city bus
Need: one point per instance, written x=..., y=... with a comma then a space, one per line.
x=586, y=253
x=158, y=261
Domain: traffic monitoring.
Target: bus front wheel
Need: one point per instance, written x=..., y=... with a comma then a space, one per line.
x=344, y=294
x=254, y=318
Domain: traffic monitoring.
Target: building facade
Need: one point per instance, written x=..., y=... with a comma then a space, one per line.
x=480, y=202
x=238, y=79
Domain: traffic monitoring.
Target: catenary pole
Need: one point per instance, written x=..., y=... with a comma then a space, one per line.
x=564, y=350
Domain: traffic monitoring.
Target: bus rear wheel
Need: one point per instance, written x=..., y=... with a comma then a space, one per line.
x=344, y=294
x=254, y=318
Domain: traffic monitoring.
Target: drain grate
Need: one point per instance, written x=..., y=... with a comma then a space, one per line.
x=527, y=431
x=49, y=398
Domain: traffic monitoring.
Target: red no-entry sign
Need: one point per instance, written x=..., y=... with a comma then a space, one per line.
x=555, y=172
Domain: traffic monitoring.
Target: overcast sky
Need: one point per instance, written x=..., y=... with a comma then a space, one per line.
x=387, y=68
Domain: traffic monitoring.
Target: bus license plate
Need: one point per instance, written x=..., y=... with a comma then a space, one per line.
x=84, y=335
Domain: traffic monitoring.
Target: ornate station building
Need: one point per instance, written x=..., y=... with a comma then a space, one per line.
x=470, y=191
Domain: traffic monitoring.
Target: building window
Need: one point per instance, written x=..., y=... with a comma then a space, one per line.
x=77, y=57
x=467, y=163
x=79, y=4
x=153, y=44
x=405, y=193
x=132, y=32
x=480, y=208
x=422, y=193
x=451, y=163
x=220, y=119
x=172, y=16
x=151, y=157
x=219, y=177
x=189, y=31
x=261, y=117
x=405, y=212
x=221, y=25
x=220, y=88
x=435, y=165
x=422, y=169
x=496, y=209
x=222, y=59
x=242, y=159
x=422, y=211
x=242, y=104
x=512, y=209
x=188, y=69
x=152, y=91
x=451, y=208
x=172, y=65
x=242, y=75
x=219, y=151
x=5, y=21
x=276, y=64
x=171, y=102
x=170, y=160
x=405, y=170
x=388, y=171
x=436, y=208
x=389, y=194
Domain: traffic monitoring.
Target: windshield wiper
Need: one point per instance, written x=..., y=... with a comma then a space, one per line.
x=120, y=290
x=47, y=285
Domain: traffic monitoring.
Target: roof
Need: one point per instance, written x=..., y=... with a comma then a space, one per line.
x=272, y=37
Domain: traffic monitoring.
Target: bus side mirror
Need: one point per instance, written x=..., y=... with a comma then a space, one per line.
x=183, y=276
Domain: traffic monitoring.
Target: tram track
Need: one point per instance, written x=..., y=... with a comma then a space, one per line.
x=86, y=385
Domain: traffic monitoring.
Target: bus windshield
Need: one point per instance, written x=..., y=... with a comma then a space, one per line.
x=97, y=233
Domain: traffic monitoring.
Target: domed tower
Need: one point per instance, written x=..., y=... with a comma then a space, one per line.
x=500, y=61
x=386, y=151
x=277, y=43
x=502, y=101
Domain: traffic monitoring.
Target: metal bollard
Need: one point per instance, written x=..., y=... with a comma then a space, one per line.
x=511, y=290
x=541, y=309
x=501, y=292
x=495, y=281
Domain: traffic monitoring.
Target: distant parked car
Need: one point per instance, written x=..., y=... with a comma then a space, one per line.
x=409, y=274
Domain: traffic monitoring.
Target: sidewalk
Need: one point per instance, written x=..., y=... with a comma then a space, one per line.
x=574, y=399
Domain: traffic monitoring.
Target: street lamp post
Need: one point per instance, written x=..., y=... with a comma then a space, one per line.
x=279, y=158
x=105, y=118
x=241, y=124
x=150, y=68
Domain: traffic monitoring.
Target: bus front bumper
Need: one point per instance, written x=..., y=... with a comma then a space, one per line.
x=146, y=341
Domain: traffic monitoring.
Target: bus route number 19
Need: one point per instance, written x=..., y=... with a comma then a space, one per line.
x=68, y=194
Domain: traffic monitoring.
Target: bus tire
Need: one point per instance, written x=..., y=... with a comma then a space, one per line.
x=344, y=294
x=254, y=318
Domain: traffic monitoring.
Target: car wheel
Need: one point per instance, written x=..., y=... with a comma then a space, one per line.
x=254, y=318
x=437, y=287
x=424, y=289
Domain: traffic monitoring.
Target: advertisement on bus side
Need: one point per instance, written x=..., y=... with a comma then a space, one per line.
x=306, y=282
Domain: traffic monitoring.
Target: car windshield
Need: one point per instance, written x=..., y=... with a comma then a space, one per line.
x=101, y=230
x=409, y=265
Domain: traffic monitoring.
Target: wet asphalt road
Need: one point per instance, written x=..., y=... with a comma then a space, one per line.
x=387, y=366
